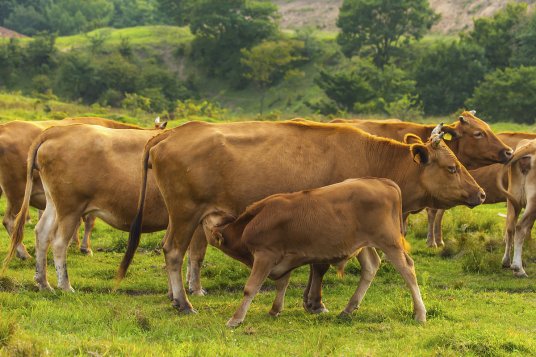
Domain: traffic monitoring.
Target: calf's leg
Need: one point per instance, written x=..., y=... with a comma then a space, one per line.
x=196, y=254
x=370, y=263
x=405, y=266
x=262, y=265
x=281, y=285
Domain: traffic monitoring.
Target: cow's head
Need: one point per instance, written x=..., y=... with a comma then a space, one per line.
x=442, y=175
x=474, y=142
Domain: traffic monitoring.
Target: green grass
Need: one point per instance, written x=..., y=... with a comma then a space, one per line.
x=474, y=306
x=469, y=312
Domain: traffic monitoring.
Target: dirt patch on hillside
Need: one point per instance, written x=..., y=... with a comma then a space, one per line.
x=7, y=33
x=456, y=15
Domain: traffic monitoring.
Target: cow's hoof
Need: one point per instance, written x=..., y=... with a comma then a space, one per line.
x=45, y=287
x=315, y=309
x=441, y=244
x=201, y=292
x=520, y=274
x=183, y=310
x=232, y=323
x=345, y=316
x=274, y=312
x=86, y=251
x=506, y=264
x=67, y=289
x=24, y=255
x=431, y=244
x=420, y=317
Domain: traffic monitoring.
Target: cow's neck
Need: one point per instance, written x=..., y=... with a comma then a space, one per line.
x=393, y=160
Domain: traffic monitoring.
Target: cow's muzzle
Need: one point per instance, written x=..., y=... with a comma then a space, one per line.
x=506, y=155
x=477, y=199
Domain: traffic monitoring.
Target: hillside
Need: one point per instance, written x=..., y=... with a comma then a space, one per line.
x=456, y=15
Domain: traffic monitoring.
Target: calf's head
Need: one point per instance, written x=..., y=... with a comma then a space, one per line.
x=475, y=143
x=441, y=174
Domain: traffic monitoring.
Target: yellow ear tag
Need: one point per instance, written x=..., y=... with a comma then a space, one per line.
x=447, y=137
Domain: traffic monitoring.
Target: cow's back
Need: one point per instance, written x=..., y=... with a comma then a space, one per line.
x=99, y=168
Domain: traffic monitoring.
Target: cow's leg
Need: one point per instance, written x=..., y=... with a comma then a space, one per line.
x=370, y=263
x=66, y=227
x=178, y=238
x=89, y=224
x=75, y=239
x=262, y=265
x=44, y=231
x=430, y=241
x=281, y=285
x=438, y=229
x=9, y=223
x=522, y=231
x=512, y=214
x=313, y=303
x=405, y=266
x=405, y=222
x=196, y=254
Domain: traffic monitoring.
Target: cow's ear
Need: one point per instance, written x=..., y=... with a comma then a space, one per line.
x=450, y=133
x=420, y=154
x=412, y=139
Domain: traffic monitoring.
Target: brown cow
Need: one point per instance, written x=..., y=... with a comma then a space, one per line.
x=472, y=141
x=16, y=138
x=106, y=193
x=203, y=169
x=487, y=178
x=324, y=225
x=521, y=194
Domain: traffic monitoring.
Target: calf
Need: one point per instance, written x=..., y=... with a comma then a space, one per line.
x=328, y=225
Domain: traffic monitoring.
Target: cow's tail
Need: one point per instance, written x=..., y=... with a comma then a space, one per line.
x=18, y=229
x=518, y=154
x=136, y=226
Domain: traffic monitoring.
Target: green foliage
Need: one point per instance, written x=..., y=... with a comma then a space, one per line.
x=507, y=95
x=223, y=28
x=361, y=87
x=381, y=27
x=271, y=61
x=190, y=109
x=525, y=42
x=446, y=75
x=175, y=12
x=497, y=34
x=408, y=107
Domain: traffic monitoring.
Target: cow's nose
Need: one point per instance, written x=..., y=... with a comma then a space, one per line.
x=482, y=196
x=508, y=154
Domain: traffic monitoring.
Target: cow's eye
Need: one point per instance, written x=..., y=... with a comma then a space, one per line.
x=452, y=169
x=478, y=134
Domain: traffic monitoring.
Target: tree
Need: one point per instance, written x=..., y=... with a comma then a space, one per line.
x=269, y=61
x=447, y=74
x=497, y=34
x=507, y=95
x=223, y=28
x=381, y=27
x=175, y=12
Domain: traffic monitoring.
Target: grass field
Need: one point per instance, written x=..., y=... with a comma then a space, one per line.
x=474, y=306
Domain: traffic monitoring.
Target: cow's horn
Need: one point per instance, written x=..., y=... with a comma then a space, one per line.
x=437, y=129
x=157, y=120
x=473, y=112
x=436, y=140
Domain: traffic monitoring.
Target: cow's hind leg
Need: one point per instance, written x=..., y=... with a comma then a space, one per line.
x=9, y=223
x=66, y=227
x=431, y=214
x=262, y=265
x=196, y=254
x=512, y=214
x=281, y=285
x=44, y=231
x=313, y=292
x=175, y=246
x=523, y=229
x=370, y=263
x=89, y=224
x=405, y=266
